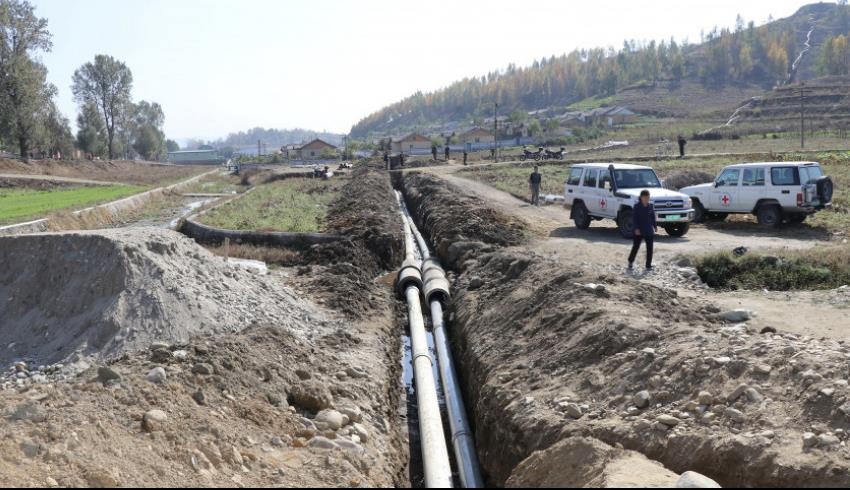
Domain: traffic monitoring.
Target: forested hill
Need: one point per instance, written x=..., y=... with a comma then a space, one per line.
x=276, y=137
x=765, y=56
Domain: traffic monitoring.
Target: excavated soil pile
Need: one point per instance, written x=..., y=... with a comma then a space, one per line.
x=552, y=353
x=235, y=410
x=451, y=217
x=366, y=214
x=103, y=293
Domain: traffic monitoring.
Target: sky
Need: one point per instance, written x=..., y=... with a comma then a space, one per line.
x=222, y=66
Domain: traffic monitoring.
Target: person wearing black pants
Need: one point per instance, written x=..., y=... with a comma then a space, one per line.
x=646, y=227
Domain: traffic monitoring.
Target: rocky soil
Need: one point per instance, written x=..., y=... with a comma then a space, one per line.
x=553, y=352
x=156, y=364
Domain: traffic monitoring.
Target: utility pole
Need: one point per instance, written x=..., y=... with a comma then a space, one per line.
x=259, y=149
x=496, y=133
x=803, y=92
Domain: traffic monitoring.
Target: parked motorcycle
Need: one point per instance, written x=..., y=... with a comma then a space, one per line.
x=555, y=155
x=532, y=155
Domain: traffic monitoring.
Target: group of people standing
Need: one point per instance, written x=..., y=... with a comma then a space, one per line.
x=643, y=219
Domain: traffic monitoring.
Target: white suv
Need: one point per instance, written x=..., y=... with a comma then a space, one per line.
x=773, y=192
x=597, y=191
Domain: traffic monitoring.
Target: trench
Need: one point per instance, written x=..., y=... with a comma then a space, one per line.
x=465, y=472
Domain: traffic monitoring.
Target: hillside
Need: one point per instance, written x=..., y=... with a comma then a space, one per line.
x=658, y=78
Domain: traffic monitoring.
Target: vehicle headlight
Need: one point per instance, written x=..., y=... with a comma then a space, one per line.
x=689, y=203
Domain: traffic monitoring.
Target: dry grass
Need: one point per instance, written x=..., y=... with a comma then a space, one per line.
x=820, y=268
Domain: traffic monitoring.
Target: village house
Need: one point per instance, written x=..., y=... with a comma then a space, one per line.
x=315, y=150
x=412, y=143
x=477, y=135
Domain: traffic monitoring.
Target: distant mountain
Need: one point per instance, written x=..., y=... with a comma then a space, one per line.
x=275, y=138
x=710, y=78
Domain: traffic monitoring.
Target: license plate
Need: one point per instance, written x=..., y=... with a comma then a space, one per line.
x=673, y=218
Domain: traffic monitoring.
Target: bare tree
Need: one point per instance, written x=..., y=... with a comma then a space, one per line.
x=106, y=83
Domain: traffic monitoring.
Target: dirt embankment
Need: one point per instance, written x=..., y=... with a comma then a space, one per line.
x=553, y=352
x=175, y=369
x=344, y=274
x=125, y=172
x=452, y=217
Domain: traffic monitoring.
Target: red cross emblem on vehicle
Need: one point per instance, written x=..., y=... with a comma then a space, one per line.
x=726, y=200
x=603, y=203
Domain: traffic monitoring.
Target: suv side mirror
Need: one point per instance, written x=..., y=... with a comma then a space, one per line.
x=716, y=184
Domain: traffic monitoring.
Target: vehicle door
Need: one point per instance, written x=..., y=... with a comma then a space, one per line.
x=607, y=202
x=724, y=197
x=590, y=191
x=786, y=185
x=572, y=185
x=753, y=188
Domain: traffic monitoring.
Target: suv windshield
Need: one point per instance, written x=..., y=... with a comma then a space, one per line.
x=643, y=178
x=811, y=174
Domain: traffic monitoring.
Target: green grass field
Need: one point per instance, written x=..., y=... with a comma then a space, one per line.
x=18, y=205
x=294, y=205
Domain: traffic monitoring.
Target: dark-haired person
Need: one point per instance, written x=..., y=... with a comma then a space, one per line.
x=646, y=227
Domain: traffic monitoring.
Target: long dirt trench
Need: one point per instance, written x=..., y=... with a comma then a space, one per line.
x=570, y=368
x=180, y=370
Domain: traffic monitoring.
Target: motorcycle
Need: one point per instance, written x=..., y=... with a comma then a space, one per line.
x=532, y=155
x=555, y=155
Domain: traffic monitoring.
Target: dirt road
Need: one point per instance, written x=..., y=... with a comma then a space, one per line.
x=602, y=248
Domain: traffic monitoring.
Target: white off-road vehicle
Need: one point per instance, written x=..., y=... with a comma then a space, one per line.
x=773, y=192
x=597, y=191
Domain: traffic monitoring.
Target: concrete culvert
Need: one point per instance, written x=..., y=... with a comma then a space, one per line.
x=106, y=292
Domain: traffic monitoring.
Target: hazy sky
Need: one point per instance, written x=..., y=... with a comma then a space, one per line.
x=219, y=66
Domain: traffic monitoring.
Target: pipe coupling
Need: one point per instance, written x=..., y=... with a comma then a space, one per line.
x=436, y=285
x=409, y=275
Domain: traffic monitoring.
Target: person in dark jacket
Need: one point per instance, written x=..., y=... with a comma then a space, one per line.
x=434, y=152
x=646, y=227
x=448, y=153
x=535, y=180
x=682, y=143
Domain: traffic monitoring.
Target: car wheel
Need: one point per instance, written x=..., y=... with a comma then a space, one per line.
x=769, y=215
x=581, y=216
x=678, y=231
x=700, y=214
x=625, y=222
x=825, y=190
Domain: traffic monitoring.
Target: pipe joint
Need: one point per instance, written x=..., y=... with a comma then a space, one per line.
x=436, y=285
x=409, y=276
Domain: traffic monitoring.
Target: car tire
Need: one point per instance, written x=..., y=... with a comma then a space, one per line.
x=625, y=223
x=825, y=190
x=769, y=215
x=581, y=216
x=678, y=231
x=700, y=214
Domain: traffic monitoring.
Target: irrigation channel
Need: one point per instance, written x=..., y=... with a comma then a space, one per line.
x=422, y=278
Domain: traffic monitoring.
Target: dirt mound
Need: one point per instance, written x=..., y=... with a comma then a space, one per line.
x=450, y=216
x=639, y=366
x=126, y=172
x=365, y=212
x=103, y=293
x=218, y=411
x=588, y=463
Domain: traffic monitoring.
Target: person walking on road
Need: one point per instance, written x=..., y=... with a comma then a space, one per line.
x=682, y=143
x=448, y=153
x=465, y=157
x=434, y=152
x=646, y=227
x=535, y=180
